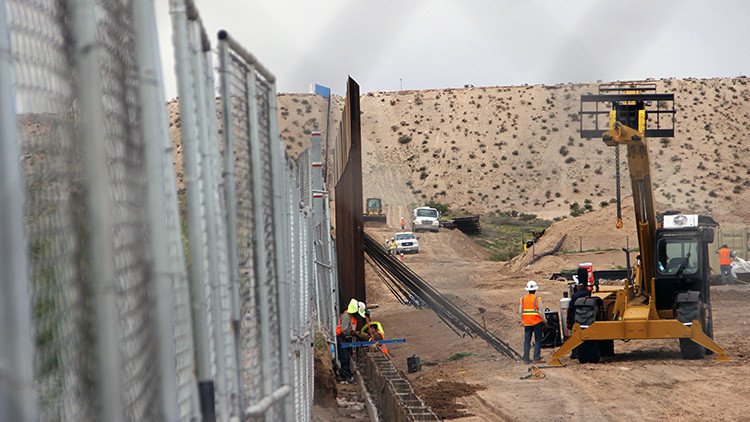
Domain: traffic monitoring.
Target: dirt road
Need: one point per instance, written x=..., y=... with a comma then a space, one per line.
x=465, y=378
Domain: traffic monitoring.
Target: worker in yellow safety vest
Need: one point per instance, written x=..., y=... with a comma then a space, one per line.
x=393, y=246
x=725, y=263
x=532, y=317
x=375, y=332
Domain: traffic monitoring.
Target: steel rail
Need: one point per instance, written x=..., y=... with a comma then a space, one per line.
x=444, y=308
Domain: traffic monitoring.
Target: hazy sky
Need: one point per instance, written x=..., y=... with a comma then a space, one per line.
x=443, y=43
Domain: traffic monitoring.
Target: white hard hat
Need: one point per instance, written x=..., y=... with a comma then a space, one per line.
x=361, y=307
x=531, y=286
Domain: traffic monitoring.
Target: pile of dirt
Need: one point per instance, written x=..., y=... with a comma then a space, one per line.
x=325, y=379
x=442, y=398
x=591, y=232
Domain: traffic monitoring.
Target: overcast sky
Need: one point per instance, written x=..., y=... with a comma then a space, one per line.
x=443, y=43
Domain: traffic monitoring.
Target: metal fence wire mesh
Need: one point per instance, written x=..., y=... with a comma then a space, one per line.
x=125, y=151
x=150, y=292
x=44, y=97
x=251, y=360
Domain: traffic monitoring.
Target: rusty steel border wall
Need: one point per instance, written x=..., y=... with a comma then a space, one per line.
x=348, y=201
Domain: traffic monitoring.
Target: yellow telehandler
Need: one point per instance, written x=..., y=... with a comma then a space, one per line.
x=668, y=297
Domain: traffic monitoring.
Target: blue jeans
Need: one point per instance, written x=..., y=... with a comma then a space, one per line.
x=727, y=277
x=527, y=331
x=345, y=357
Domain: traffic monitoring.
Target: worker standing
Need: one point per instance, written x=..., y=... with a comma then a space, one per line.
x=725, y=263
x=346, y=332
x=581, y=291
x=392, y=248
x=532, y=318
x=403, y=224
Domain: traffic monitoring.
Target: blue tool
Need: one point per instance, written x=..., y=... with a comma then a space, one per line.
x=370, y=343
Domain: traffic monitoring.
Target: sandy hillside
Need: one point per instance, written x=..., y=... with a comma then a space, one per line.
x=517, y=147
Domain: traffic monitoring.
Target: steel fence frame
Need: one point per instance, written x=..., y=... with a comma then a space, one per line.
x=115, y=312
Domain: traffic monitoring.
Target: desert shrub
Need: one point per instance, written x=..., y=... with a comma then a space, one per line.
x=443, y=209
x=569, y=160
x=575, y=209
x=564, y=151
x=404, y=139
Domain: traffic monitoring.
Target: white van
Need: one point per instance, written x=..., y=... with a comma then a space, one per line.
x=426, y=218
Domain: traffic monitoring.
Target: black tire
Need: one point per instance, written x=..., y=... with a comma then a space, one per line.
x=688, y=312
x=691, y=349
x=588, y=352
x=607, y=348
x=587, y=312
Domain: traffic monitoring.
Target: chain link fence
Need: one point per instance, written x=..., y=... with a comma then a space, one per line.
x=150, y=278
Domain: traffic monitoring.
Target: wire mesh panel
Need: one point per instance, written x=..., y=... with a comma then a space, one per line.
x=251, y=371
x=125, y=150
x=303, y=175
x=66, y=268
x=271, y=230
x=44, y=88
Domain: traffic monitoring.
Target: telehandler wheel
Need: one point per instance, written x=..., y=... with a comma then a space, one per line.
x=588, y=352
x=588, y=310
x=688, y=309
x=607, y=348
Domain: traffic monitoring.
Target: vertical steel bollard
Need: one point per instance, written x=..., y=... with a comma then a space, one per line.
x=17, y=394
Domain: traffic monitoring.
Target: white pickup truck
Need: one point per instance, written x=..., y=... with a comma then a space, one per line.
x=425, y=218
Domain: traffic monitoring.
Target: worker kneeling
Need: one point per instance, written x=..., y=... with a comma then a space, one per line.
x=375, y=333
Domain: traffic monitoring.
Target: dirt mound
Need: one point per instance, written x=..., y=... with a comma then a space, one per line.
x=442, y=398
x=325, y=379
x=591, y=232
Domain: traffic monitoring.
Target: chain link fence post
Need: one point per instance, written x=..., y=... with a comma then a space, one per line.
x=17, y=396
x=192, y=178
x=88, y=55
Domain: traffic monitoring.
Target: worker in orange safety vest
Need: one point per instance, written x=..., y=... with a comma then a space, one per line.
x=532, y=317
x=725, y=263
x=346, y=331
